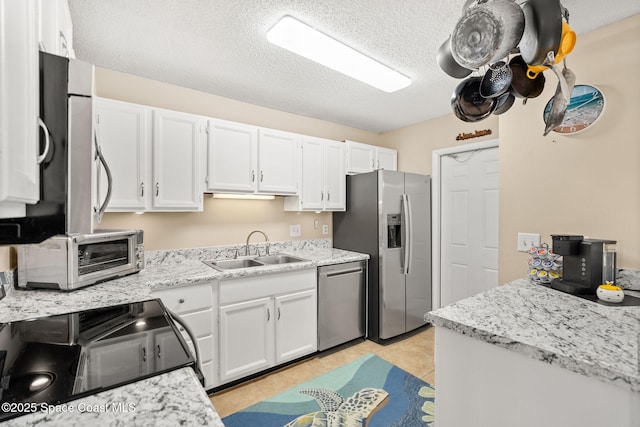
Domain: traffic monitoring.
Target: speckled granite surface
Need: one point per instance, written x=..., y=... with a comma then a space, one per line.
x=164, y=269
x=582, y=336
x=172, y=399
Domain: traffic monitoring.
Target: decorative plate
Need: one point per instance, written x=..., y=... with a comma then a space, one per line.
x=586, y=106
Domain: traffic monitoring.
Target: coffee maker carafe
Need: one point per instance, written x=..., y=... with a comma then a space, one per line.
x=587, y=263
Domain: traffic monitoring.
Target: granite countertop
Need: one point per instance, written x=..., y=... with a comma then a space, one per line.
x=178, y=391
x=582, y=336
x=164, y=269
x=172, y=399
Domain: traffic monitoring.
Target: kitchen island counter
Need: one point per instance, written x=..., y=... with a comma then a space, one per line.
x=550, y=349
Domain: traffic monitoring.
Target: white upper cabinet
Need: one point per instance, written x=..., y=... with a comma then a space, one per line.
x=323, y=177
x=155, y=157
x=55, y=27
x=247, y=159
x=279, y=161
x=177, y=142
x=19, y=89
x=232, y=157
x=366, y=158
x=124, y=134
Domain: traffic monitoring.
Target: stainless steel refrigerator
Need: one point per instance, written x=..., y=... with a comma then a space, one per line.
x=388, y=216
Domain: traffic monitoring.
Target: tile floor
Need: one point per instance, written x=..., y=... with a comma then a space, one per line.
x=413, y=353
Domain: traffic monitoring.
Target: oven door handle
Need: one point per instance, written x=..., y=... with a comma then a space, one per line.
x=189, y=331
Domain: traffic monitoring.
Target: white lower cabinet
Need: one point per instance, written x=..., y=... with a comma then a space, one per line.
x=117, y=359
x=265, y=321
x=194, y=304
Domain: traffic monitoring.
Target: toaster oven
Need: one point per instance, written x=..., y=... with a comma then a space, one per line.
x=69, y=262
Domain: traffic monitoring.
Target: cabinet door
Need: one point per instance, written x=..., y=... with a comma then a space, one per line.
x=245, y=338
x=177, y=145
x=167, y=351
x=360, y=157
x=296, y=325
x=279, y=162
x=386, y=158
x=334, y=177
x=124, y=137
x=232, y=157
x=312, y=192
x=118, y=359
x=19, y=100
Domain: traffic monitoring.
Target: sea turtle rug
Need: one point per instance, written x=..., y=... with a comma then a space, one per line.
x=367, y=392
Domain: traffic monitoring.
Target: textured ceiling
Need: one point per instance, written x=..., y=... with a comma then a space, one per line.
x=219, y=47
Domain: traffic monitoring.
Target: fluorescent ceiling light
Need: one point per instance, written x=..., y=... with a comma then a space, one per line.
x=242, y=196
x=299, y=38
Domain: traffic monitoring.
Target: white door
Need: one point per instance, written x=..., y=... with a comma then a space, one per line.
x=296, y=330
x=312, y=174
x=469, y=223
x=387, y=159
x=177, y=146
x=246, y=338
x=360, y=157
x=19, y=141
x=335, y=177
x=279, y=157
x=233, y=157
x=124, y=135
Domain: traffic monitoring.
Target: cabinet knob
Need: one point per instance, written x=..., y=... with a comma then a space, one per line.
x=321, y=195
x=142, y=189
x=261, y=176
x=253, y=176
x=181, y=300
x=157, y=189
x=328, y=196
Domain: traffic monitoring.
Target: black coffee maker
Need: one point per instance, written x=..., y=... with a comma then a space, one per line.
x=586, y=263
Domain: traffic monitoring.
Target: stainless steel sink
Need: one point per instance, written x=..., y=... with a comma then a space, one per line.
x=279, y=259
x=232, y=264
x=251, y=262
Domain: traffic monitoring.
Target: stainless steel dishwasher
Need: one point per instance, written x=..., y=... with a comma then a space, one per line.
x=341, y=303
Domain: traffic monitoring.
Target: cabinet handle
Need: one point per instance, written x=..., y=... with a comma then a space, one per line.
x=328, y=196
x=142, y=189
x=278, y=313
x=144, y=354
x=253, y=176
x=378, y=164
x=268, y=315
x=159, y=352
x=321, y=196
x=157, y=189
x=373, y=164
x=181, y=300
x=261, y=176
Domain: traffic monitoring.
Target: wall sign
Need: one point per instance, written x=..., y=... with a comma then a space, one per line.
x=476, y=134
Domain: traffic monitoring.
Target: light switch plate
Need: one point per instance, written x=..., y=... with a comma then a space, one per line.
x=294, y=230
x=526, y=240
x=325, y=229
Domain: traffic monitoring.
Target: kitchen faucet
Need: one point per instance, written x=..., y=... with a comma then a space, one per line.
x=246, y=246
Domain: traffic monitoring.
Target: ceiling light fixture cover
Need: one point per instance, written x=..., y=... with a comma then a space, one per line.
x=299, y=38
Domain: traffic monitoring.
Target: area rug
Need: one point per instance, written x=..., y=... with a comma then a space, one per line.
x=367, y=392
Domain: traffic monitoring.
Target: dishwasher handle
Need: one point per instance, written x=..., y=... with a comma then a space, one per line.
x=343, y=272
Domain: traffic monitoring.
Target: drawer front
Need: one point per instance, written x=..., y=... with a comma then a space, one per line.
x=248, y=288
x=186, y=299
x=205, y=345
x=200, y=322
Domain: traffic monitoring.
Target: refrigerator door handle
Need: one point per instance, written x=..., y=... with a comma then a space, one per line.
x=409, y=241
x=406, y=226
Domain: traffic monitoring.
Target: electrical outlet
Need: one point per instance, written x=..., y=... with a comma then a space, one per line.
x=526, y=240
x=325, y=229
x=294, y=230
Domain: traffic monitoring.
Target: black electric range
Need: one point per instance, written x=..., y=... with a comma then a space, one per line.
x=56, y=359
